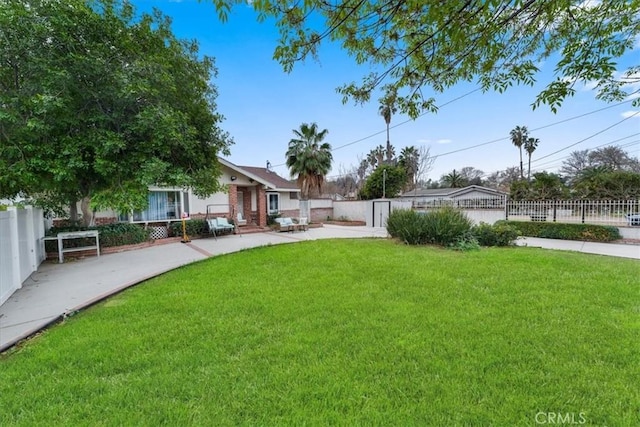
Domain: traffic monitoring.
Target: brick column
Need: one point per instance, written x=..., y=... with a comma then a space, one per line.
x=246, y=203
x=261, y=205
x=233, y=200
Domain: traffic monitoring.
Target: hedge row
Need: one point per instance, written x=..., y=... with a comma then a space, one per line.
x=194, y=227
x=555, y=230
x=116, y=234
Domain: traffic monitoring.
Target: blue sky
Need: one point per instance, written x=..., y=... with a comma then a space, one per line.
x=262, y=104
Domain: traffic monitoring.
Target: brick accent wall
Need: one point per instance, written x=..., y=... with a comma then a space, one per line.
x=321, y=214
x=293, y=213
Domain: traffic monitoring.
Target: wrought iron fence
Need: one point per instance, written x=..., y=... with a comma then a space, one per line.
x=470, y=203
x=609, y=212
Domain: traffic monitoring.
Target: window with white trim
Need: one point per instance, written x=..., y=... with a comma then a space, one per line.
x=273, y=203
x=163, y=206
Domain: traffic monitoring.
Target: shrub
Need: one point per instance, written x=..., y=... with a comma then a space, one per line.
x=554, y=230
x=406, y=225
x=466, y=242
x=194, y=227
x=444, y=226
x=271, y=219
x=122, y=233
x=495, y=235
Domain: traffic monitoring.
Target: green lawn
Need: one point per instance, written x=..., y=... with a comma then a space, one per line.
x=345, y=332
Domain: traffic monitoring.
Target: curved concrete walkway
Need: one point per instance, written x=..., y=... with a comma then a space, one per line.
x=57, y=290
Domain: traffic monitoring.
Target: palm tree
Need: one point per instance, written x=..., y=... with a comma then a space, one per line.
x=409, y=157
x=519, y=136
x=379, y=152
x=453, y=180
x=308, y=158
x=530, y=146
x=372, y=159
x=386, y=110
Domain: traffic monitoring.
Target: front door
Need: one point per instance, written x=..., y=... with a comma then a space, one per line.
x=240, y=207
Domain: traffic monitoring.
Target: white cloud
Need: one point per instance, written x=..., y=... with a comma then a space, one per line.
x=423, y=141
x=444, y=141
x=631, y=113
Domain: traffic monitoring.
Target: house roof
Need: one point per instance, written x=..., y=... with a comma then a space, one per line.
x=452, y=192
x=272, y=180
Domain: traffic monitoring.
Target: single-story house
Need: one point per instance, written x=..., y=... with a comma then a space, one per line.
x=471, y=196
x=253, y=192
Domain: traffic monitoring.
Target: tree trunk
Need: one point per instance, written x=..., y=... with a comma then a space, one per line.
x=73, y=212
x=87, y=212
x=521, y=169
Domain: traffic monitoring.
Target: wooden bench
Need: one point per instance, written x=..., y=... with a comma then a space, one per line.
x=61, y=237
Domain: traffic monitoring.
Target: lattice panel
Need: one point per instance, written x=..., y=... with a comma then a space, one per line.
x=159, y=233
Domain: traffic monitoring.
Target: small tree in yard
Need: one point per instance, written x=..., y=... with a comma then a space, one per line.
x=386, y=181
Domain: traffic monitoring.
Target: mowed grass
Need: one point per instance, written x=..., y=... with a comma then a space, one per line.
x=345, y=332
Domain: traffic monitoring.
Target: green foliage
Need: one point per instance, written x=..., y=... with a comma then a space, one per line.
x=406, y=225
x=115, y=234
x=597, y=183
x=194, y=227
x=500, y=234
x=413, y=45
x=102, y=110
x=386, y=180
x=553, y=230
x=445, y=226
x=466, y=242
x=544, y=186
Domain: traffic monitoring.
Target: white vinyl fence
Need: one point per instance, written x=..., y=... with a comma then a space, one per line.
x=21, y=247
x=604, y=212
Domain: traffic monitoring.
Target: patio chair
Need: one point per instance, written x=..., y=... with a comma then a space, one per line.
x=224, y=225
x=303, y=223
x=240, y=221
x=285, y=224
x=219, y=225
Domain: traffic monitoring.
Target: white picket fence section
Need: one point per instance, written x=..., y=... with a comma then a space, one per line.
x=603, y=212
x=21, y=247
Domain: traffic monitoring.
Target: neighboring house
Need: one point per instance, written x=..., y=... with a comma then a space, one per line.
x=471, y=196
x=253, y=192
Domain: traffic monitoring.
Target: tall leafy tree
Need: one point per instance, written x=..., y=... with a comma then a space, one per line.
x=614, y=158
x=530, y=146
x=308, y=158
x=519, y=136
x=98, y=104
x=413, y=45
x=573, y=165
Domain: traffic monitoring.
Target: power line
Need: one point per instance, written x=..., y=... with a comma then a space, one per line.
x=594, y=148
x=494, y=140
x=589, y=137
